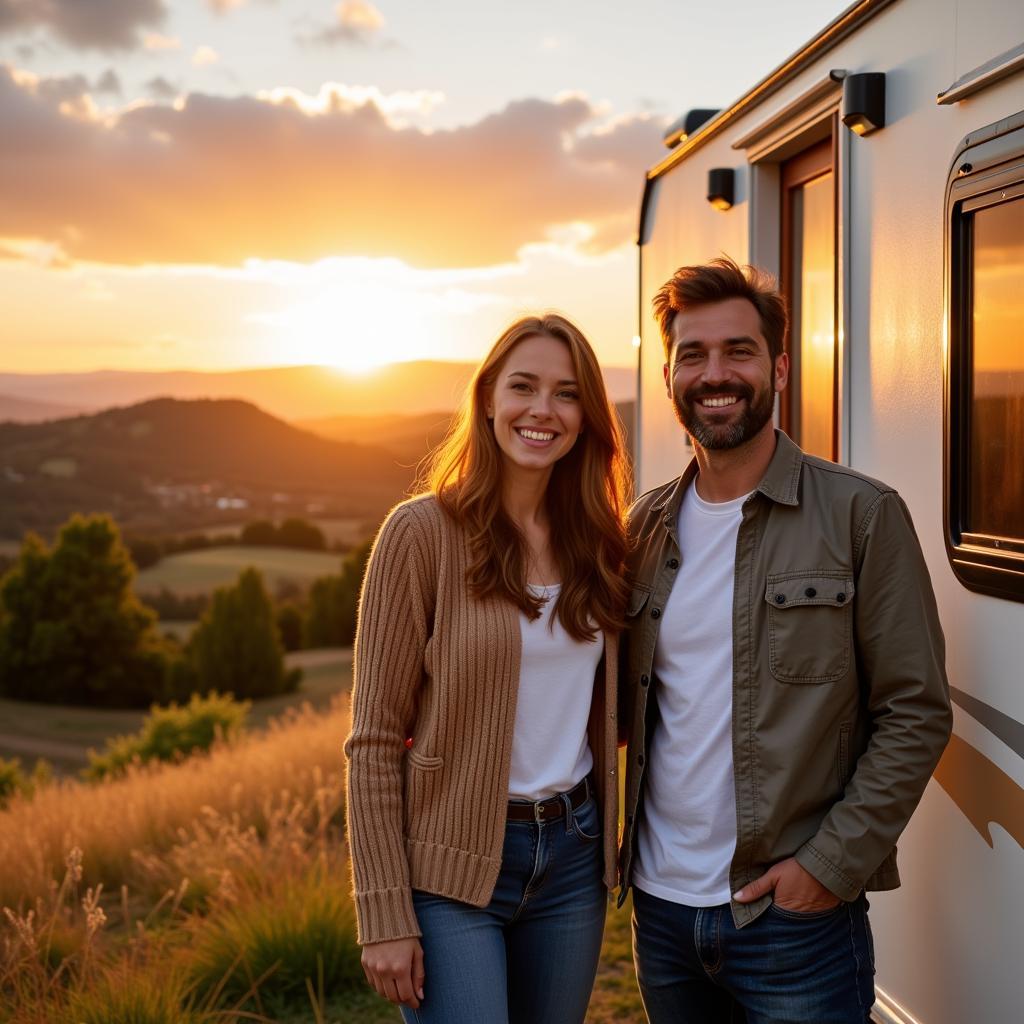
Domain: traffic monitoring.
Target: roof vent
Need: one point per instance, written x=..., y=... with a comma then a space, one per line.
x=681, y=129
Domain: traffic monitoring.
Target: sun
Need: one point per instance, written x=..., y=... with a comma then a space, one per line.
x=351, y=336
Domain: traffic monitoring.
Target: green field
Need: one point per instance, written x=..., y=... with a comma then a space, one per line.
x=198, y=572
x=63, y=735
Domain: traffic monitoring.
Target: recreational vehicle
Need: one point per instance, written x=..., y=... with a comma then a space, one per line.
x=879, y=172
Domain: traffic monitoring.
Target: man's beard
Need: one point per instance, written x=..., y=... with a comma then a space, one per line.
x=721, y=437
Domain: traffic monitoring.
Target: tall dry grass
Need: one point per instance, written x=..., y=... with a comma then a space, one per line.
x=207, y=892
x=154, y=825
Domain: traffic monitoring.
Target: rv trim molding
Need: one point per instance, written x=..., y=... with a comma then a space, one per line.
x=984, y=75
x=887, y=1011
x=795, y=119
x=834, y=33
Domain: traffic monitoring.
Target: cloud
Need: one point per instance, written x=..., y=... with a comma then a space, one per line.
x=223, y=6
x=98, y=24
x=160, y=89
x=356, y=21
x=205, y=56
x=218, y=180
x=108, y=82
x=155, y=42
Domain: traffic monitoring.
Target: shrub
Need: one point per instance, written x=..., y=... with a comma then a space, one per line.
x=12, y=780
x=236, y=646
x=171, y=733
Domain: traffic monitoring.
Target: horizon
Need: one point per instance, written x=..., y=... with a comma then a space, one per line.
x=191, y=201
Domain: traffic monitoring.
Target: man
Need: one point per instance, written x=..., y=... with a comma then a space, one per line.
x=784, y=688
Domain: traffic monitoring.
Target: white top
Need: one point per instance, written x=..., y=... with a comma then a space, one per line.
x=550, y=750
x=687, y=833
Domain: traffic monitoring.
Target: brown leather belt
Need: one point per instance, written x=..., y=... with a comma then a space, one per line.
x=550, y=809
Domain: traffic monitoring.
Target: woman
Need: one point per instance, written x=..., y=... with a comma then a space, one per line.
x=482, y=787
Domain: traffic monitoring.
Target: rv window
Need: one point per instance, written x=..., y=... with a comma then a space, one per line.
x=985, y=464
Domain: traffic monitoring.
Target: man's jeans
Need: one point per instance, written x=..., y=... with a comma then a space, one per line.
x=695, y=966
x=529, y=956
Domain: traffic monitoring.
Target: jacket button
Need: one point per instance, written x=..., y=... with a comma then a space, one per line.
x=840, y=597
x=655, y=613
x=810, y=592
x=780, y=598
x=644, y=680
x=673, y=563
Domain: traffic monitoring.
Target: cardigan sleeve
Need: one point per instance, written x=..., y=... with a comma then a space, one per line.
x=393, y=626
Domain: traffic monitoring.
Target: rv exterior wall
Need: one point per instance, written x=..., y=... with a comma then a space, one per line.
x=947, y=941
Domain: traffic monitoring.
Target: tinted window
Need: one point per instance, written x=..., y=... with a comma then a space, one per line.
x=996, y=463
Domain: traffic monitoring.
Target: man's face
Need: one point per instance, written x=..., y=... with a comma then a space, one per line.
x=719, y=375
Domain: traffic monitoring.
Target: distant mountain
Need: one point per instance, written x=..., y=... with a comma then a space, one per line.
x=29, y=410
x=167, y=465
x=289, y=392
x=410, y=438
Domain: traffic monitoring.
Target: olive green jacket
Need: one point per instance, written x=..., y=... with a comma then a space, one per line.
x=840, y=704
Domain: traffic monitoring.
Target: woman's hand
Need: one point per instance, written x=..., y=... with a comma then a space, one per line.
x=395, y=970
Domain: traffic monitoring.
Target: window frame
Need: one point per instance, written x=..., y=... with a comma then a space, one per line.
x=815, y=161
x=987, y=171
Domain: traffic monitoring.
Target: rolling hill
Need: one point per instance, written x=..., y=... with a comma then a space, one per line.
x=166, y=465
x=289, y=392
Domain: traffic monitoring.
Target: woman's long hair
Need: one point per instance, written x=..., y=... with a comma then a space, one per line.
x=585, y=496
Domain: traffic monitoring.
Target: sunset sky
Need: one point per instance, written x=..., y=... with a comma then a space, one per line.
x=226, y=183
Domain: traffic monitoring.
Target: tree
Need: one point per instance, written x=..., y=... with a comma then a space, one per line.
x=236, y=647
x=71, y=629
x=297, y=533
x=333, y=601
x=289, y=625
x=259, y=533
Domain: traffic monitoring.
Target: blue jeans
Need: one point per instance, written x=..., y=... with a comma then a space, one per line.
x=694, y=966
x=529, y=956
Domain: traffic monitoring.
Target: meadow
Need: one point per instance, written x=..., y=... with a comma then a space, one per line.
x=212, y=890
x=195, y=572
x=63, y=735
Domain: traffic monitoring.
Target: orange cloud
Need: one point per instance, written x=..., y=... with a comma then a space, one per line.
x=218, y=180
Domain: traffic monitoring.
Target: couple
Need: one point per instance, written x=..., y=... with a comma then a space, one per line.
x=763, y=631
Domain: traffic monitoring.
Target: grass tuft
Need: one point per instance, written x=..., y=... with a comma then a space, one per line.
x=296, y=934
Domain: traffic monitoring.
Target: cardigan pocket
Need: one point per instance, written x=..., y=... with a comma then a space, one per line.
x=424, y=762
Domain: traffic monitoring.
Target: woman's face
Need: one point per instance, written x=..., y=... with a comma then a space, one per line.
x=535, y=404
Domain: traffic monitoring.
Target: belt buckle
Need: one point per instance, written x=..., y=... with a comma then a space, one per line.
x=538, y=812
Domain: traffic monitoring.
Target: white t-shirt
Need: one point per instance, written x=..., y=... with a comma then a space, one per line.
x=550, y=750
x=687, y=833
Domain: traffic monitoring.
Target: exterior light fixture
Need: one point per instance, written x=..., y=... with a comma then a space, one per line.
x=721, y=187
x=687, y=125
x=864, y=102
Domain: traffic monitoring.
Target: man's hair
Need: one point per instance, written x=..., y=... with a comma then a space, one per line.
x=715, y=281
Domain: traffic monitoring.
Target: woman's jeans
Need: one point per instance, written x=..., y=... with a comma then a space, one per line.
x=529, y=956
x=695, y=966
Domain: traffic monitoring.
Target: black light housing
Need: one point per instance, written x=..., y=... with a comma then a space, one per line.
x=682, y=128
x=721, y=187
x=864, y=102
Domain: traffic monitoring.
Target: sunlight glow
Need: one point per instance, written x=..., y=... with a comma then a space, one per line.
x=348, y=329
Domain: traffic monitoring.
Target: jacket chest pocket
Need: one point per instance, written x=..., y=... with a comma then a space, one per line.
x=810, y=621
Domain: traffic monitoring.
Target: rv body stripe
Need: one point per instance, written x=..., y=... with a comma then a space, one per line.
x=1008, y=729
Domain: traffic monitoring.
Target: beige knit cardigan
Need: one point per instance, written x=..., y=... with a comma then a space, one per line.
x=434, y=663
